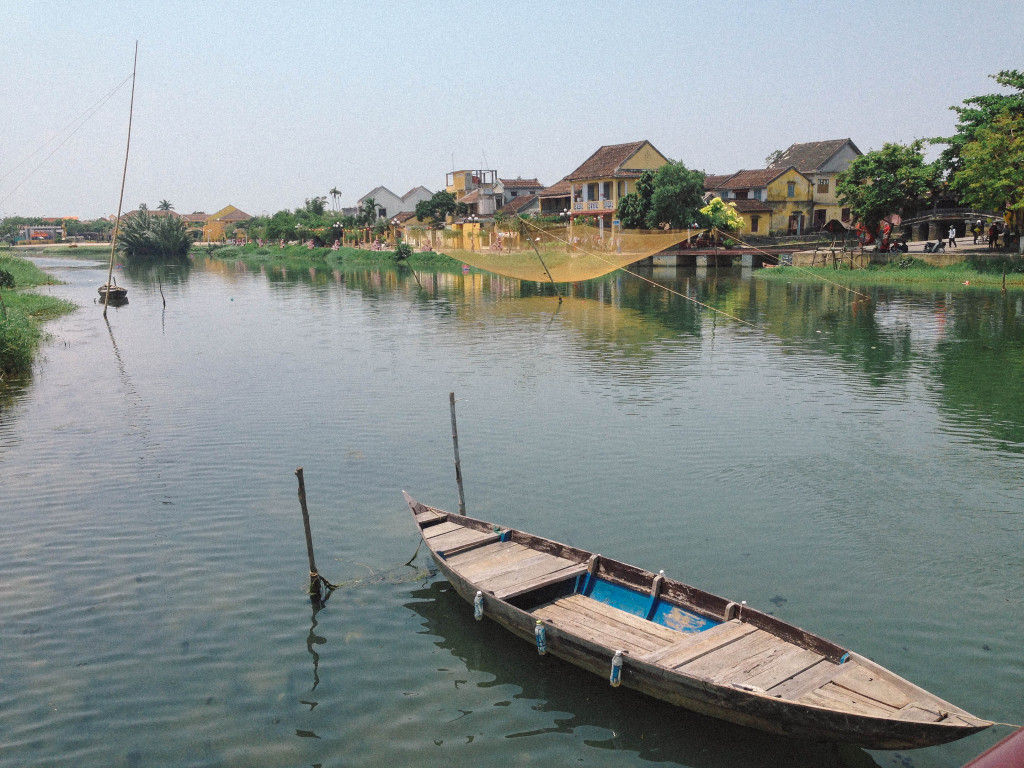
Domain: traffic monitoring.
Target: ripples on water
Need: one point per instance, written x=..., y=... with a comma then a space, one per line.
x=854, y=469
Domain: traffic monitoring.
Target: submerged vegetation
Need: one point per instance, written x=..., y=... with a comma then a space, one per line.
x=22, y=313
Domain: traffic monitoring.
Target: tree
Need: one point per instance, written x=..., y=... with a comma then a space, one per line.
x=634, y=207
x=146, y=236
x=440, y=207
x=980, y=112
x=887, y=180
x=335, y=193
x=991, y=173
x=315, y=206
x=721, y=216
x=165, y=205
x=677, y=198
x=773, y=158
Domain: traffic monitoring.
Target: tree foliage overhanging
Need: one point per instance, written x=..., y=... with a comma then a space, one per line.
x=671, y=196
x=888, y=181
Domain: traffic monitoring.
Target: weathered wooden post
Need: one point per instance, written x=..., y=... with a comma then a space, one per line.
x=458, y=465
x=316, y=582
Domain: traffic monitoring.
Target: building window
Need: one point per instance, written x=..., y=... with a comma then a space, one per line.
x=822, y=186
x=790, y=189
x=619, y=186
x=754, y=221
x=845, y=214
x=592, y=191
x=606, y=190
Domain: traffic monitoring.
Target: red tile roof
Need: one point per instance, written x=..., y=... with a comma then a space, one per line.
x=520, y=183
x=607, y=161
x=516, y=204
x=761, y=177
x=810, y=156
x=713, y=181
x=750, y=206
x=560, y=189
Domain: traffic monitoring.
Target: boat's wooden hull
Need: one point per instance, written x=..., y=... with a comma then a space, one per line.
x=923, y=721
x=115, y=293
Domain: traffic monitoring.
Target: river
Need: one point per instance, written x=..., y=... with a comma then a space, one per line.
x=853, y=467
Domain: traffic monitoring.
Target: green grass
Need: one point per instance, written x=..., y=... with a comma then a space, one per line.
x=20, y=329
x=986, y=273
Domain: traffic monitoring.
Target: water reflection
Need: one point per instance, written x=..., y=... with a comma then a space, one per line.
x=577, y=700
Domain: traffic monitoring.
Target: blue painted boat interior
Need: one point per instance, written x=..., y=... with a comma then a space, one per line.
x=642, y=605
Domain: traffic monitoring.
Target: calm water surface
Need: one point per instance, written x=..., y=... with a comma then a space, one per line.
x=854, y=468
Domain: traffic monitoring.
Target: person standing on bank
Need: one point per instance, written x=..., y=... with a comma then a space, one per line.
x=952, y=236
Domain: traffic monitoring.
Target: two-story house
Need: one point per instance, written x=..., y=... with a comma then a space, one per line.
x=609, y=174
x=770, y=200
x=821, y=162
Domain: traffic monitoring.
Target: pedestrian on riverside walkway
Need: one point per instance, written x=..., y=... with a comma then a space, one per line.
x=952, y=236
x=993, y=233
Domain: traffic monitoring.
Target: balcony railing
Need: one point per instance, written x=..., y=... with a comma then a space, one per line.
x=594, y=205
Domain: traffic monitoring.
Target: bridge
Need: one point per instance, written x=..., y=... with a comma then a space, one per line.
x=935, y=224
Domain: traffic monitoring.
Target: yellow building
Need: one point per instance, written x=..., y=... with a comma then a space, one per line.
x=772, y=201
x=821, y=162
x=217, y=223
x=609, y=174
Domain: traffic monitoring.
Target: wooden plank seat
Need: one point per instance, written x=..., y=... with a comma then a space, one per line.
x=606, y=625
x=507, y=569
x=448, y=537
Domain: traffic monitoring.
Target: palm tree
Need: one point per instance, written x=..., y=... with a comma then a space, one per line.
x=335, y=193
x=165, y=205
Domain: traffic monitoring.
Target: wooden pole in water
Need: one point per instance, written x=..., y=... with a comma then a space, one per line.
x=458, y=464
x=315, y=584
x=124, y=175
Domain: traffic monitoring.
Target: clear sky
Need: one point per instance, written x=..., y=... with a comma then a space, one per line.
x=264, y=104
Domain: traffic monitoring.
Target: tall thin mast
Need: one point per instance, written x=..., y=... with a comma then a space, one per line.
x=124, y=174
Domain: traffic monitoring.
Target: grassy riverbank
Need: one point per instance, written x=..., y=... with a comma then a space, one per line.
x=343, y=257
x=20, y=330
x=987, y=273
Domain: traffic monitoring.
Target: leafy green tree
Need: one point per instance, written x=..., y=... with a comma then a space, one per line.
x=335, y=194
x=678, y=196
x=888, y=180
x=634, y=208
x=440, y=206
x=165, y=205
x=315, y=206
x=721, y=215
x=368, y=212
x=146, y=236
x=991, y=172
x=981, y=112
x=773, y=158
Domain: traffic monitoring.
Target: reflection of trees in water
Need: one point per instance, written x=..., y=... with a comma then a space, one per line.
x=155, y=273
x=576, y=699
x=981, y=367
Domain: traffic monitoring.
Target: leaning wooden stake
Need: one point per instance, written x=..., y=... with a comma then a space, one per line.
x=458, y=465
x=316, y=581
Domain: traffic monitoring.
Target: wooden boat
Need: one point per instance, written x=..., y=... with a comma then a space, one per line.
x=113, y=293
x=680, y=644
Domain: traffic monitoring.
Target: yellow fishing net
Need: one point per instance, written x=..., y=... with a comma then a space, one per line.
x=560, y=253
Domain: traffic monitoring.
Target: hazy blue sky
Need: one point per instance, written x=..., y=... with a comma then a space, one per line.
x=261, y=105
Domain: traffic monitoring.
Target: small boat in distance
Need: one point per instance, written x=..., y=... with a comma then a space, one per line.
x=112, y=293
x=680, y=644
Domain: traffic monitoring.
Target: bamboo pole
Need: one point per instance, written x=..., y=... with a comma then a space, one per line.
x=458, y=464
x=316, y=581
x=124, y=175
